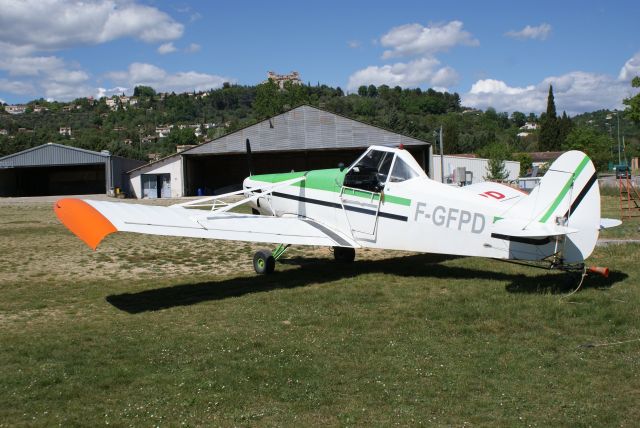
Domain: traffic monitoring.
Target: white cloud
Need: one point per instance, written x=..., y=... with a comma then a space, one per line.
x=37, y=25
x=631, y=68
x=575, y=92
x=415, y=39
x=162, y=81
x=44, y=74
x=30, y=66
x=421, y=42
x=411, y=74
x=16, y=87
x=192, y=48
x=166, y=48
x=64, y=91
x=354, y=44
x=107, y=92
x=541, y=32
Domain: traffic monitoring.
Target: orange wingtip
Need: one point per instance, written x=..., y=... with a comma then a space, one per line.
x=83, y=220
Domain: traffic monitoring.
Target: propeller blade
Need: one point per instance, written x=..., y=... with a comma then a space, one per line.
x=249, y=159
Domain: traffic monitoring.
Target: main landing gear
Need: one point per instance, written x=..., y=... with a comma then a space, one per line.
x=264, y=261
x=344, y=254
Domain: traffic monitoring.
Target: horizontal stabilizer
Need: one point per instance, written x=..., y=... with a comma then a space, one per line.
x=606, y=223
x=525, y=229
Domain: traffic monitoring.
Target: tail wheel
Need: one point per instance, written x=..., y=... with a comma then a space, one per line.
x=263, y=262
x=344, y=254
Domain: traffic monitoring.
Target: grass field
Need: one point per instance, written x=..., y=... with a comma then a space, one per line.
x=166, y=331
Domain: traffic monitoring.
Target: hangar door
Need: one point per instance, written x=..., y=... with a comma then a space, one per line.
x=54, y=180
x=156, y=186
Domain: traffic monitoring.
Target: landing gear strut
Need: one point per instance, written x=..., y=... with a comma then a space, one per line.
x=344, y=254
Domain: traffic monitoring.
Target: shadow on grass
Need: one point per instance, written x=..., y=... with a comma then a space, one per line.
x=322, y=270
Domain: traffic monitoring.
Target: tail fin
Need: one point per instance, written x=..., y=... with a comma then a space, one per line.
x=568, y=195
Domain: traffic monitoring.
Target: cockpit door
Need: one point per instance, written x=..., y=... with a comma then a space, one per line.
x=361, y=193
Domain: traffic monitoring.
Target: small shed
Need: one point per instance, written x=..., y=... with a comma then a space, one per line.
x=56, y=169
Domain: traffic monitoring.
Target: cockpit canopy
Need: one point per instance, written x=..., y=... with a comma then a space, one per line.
x=379, y=165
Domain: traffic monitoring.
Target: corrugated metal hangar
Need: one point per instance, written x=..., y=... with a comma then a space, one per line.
x=301, y=139
x=55, y=169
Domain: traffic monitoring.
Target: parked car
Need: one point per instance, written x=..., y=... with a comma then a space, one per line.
x=623, y=171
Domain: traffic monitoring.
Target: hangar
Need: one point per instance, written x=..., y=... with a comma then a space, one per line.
x=300, y=139
x=56, y=169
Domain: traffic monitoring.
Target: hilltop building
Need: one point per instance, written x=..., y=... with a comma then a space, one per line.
x=281, y=79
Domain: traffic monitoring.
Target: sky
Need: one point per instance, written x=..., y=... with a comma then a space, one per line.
x=494, y=54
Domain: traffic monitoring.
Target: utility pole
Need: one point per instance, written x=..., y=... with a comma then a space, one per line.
x=619, y=157
x=441, y=158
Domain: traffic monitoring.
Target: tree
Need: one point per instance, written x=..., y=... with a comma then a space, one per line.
x=144, y=91
x=526, y=163
x=497, y=153
x=267, y=102
x=632, y=111
x=372, y=91
x=565, y=125
x=549, y=132
x=362, y=91
x=596, y=145
x=518, y=118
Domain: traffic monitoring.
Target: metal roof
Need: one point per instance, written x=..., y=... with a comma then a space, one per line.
x=52, y=154
x=303, y=128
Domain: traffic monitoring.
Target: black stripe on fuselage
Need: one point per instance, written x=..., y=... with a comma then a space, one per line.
x=522, y=240
x=581, y=195
x=336, y=205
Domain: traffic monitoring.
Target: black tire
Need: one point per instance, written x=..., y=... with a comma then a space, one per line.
x=263, y=262
x=344, y=254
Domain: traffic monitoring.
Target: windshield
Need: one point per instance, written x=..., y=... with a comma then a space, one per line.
x=370, y=172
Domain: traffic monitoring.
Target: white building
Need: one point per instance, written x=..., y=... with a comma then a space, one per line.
x=476, y=169
x=161, y=179
x=112, y=103
x=15, y=109
x=281, y=79
x=529, y=126
x=163, y=131
x=65, y=130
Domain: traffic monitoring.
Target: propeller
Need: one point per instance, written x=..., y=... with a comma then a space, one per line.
x=249, y=158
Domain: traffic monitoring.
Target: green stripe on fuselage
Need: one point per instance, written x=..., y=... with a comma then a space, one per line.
x=329, y=180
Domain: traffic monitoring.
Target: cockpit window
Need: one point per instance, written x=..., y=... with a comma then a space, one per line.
x=401, y=171
x=370, y=172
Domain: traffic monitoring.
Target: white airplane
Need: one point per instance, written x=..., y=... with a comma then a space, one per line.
x=383, y=200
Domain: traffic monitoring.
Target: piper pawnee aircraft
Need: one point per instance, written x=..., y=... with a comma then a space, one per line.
x=383, y=200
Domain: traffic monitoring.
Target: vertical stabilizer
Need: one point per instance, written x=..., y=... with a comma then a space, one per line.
x=567, y=195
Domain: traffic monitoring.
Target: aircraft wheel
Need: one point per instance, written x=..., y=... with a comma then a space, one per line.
x=263, y=262
x=344, y=254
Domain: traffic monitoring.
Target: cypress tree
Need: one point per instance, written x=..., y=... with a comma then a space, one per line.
x=549, y=129
x=551, y=105
x=565, y=125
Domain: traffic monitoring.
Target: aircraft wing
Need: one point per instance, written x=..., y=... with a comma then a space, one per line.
x=91, y=221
